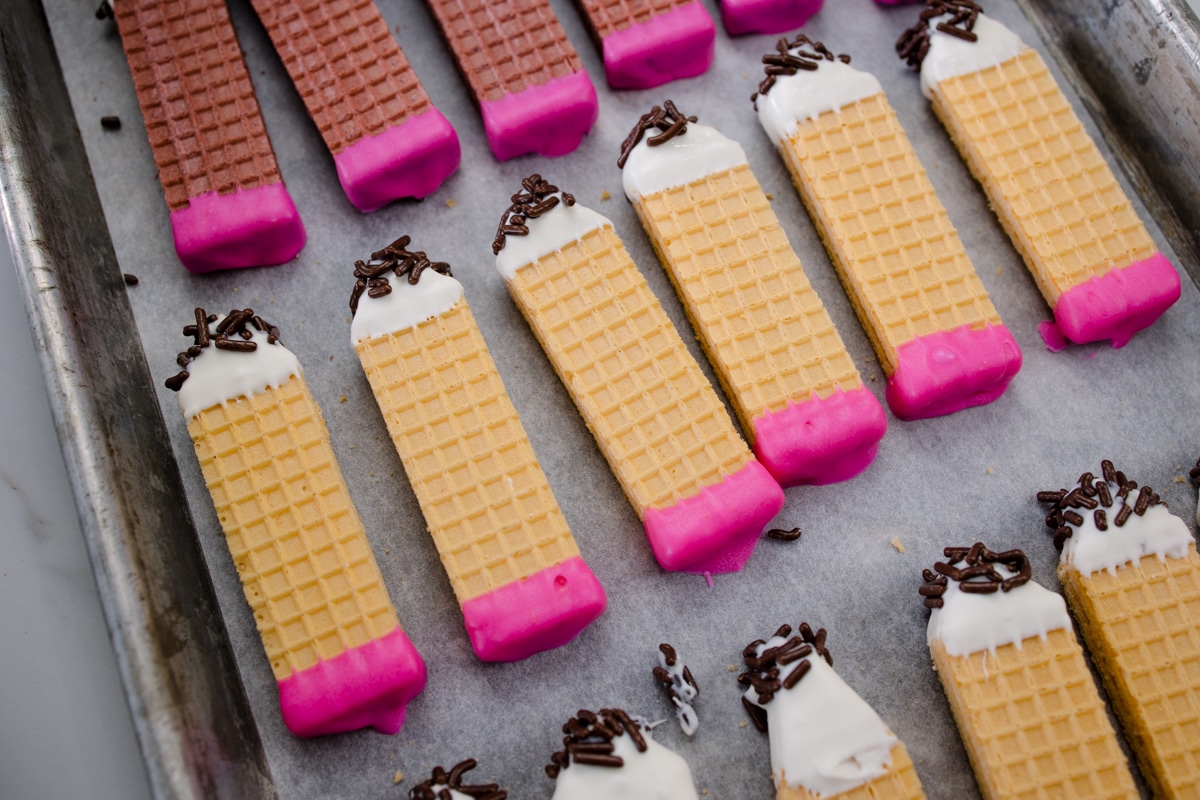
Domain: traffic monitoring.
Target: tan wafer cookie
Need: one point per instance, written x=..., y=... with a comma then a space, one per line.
x=1054, y=193
x=327, y=624
x=228, y=205
x=793, y=386
x=900, y=782
x=703, y=498
x=511, y=559
x=646, y=43
x=387, y=139
x=1024, y=699
x=937, y=334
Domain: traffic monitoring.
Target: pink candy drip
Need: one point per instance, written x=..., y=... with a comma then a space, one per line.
x=766, y=16
x=1119, y=303
x=677, y=44
x=549, y=119
x=407, y=160
x=248, y=228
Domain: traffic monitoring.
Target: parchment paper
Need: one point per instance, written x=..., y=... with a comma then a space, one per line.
x=953, y=480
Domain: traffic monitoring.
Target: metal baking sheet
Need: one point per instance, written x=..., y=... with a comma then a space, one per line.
x=855, y=570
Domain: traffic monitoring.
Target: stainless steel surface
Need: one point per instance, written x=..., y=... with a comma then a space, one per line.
x=185, y=695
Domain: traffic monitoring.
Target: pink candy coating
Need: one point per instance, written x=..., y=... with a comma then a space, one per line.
x=677, y=44
x=947, y=371
x=549, y=119
x=368, y=685
x=717, y=529
x=541, y=612
x=766, y=16
x=407, y=160
x=820, y=441
x=248, y=228
x=1119, y=303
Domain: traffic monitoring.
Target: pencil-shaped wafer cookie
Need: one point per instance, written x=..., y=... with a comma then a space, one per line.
x=703, y=498
x=1054, y=193
x=387, y=139
x=766, y=16
x=1131, y=575
x=937, y=334
x=525, y=74
x=646, y=43
x=331, y=634
x=1024, y=699
x=228, y=204
x=512, y=561
x=826, y=742
x=795, y=389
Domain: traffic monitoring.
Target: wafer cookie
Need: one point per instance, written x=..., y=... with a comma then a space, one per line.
x=794, y=388
x=511, y=559
x=646, y=43
x=525, y=75
x=766, y=16
x=387, y=139
x=327, y=624
x=939, y=338
x=229, y=207
x=1054, y=193
x=1024, y=699
x=702, y=497
x=826, y=742
x=1131, y=576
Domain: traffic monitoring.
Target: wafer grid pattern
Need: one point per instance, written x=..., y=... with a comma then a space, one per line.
x=1142, y=627
x=296, y=540
x=484, y=495
x=1051, y=188
x=655, y=416
x=900, y=782
x=887, y=232
x=606, y=17
x=203, y=121
x=504, y=48
x=1033, y=722
x=353, y=77
x=765, y=330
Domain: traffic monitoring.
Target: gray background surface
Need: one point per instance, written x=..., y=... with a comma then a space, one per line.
x=935, y=482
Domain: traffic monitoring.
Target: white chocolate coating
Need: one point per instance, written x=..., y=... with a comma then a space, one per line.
x=657, y=774
x=697, y=153
x=548, y=233
x=1157, y=532
x=810, y=93
x=406, y=306
x=222, y=376
x=683, y=695
x=824, y=737
x=949, y=56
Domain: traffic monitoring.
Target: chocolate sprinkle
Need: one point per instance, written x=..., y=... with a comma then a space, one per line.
x=105, y=10
x=913, y=44
x=130, y=279
x=371, y=276
x=233, y=325
x=1062, y=516
x=110, y=123
x=589, y=737
x=763, y=669
x=675, y=683
x=666, y=119
x=452, y=780
x=790, y=58
x=977, y=575
x=781, y=535
x=537, y=199
x=1194, y=472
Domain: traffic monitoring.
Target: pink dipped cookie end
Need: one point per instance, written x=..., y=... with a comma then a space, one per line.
x=766, y=16
x=716, y=530
x=248, y=228
x=365, y=686
x=667, y=47
x=407, y=160
x=549, y=119
x=947, y=371
x=820, y=441
x=530, y=615
x=1119, y=303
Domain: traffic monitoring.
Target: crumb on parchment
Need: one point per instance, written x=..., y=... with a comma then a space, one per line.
x=896, y=544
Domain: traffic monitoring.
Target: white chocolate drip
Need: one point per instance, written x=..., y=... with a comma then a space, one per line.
x=406, y=306
x=548, y=234
x=657, y=774
x=221, y=376
x=1157, y=532
x=808, y=94
x=699, y=152
x=950, y=56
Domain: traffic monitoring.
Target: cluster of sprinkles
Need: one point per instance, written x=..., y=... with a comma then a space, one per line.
x=232, y=333
x=371, y=276
x=538, y=198
x=452, y=781
x=977, y=575
x=1097, y=497
x=791, y=57
x=762, y=673
x=913, y=44
x=589, y=739
x=666, y=119
x=681, y=687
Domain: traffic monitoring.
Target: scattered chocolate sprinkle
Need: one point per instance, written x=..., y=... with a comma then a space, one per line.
x=371, y=276
x=913, y=44
x=1061, y=517
x=110, y=123
x=589, y=737
x=791, y=57
x=666, y=119
x=452, y=780
x=130, y=279
x=763, y=669
x=781, y=535
x=105, y=10
x=537, y=199
x=233, y=325
x=1194, y=472
x=978, y=564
